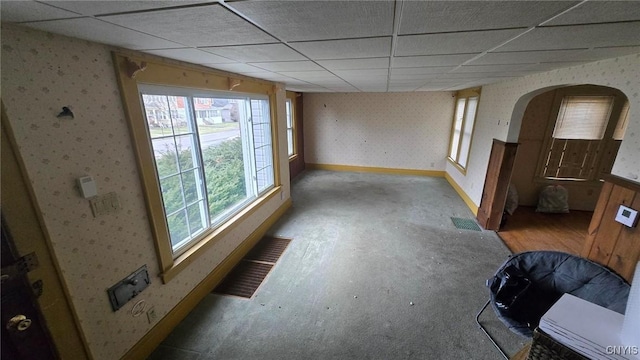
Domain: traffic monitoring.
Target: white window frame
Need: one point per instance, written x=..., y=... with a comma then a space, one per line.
x=161, y=73
x=291, y=148
x=249, y=154
x=462, y=127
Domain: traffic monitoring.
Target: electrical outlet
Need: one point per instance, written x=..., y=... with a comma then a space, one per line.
x=151, y=315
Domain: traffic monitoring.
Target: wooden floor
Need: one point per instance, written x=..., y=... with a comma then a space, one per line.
x=528, y=230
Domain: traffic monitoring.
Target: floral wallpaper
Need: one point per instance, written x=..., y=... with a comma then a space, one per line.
x=390, y=130
x=41, y=73
x=502, y=105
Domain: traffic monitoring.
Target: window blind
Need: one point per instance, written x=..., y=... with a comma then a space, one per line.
x=583, y=117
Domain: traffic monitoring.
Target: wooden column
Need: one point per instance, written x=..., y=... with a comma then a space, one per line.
x=608, y=242
x=496, y=184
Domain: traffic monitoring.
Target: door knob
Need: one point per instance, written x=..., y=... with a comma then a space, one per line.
x=19, y=323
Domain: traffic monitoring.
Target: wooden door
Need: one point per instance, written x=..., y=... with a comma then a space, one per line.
x=24, y=334
x=496, y=184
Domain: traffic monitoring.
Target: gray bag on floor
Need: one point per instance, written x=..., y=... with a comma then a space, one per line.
x=553, y=199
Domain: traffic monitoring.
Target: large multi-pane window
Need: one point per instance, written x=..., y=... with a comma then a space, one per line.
x=213, y=155
x=462, y=129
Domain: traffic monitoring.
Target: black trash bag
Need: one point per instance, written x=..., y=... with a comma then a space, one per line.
x=509, y=286
x=516, y=296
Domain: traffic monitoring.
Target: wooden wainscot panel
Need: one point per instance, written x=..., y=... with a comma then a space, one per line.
x=609, y=242
x=496, y=184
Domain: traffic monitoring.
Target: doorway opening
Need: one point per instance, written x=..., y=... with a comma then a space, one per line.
x=569, y=136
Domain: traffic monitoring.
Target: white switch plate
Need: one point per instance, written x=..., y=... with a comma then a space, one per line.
x=627, y=216
x=105, y=204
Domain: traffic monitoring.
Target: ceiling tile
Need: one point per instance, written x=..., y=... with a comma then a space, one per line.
x=256, y=53
x=490, y=68
x=362, y=74
x=345, y=49
x=19, y=11
x=453, y=16
x=318, y=20
x=313, y=76
x=210, y=25
x=552, y=65
x=413, y=82
x=453, y=43
x=430, y=60
x=412, y=77
x=576, y=37
x=347, y=88
x=117, y=6
x=102, y=32
x=239, y=68
x=472, y=76
x=281, y=66
x=268, y=75
x=371, y=89
x=422, y=70
x=430, y=87
x=191, y=55
x=306, y=88
x=604, y=53
x=402, y=88
x=524, y=57
x=354, y=64
x=599, y=12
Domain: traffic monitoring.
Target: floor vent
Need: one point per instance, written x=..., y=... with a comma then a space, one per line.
x=245, y=279
x=465, y=224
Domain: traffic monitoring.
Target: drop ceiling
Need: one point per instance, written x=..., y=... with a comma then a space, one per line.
x=353, y=46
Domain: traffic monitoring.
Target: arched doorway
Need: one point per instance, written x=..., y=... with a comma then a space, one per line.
x=578, y=165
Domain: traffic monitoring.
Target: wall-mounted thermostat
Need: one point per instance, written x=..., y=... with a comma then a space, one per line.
x=87, y=187
x=627, y=216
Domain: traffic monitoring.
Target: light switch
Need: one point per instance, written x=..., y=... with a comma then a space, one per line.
x=627, y=216
x=105, y=204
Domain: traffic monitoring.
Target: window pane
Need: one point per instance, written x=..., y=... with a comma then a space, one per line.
x=222, y=155
x=583, y=117
x=191, y=186
x=470, y=116
x=187, y=156
x=157, y=113
x=262, y=143
x=197, y=217
x=290, y=141
x=457, y=128
x=164, y=151
x=571, y=159
x=178, y=228
x=288, y=111
x=172, y=194
x=178, y=112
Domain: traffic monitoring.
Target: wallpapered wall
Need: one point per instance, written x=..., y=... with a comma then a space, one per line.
x=502, y=105
x=390, y=130
x=41, y=73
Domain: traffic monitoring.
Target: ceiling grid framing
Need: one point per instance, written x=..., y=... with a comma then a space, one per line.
x=354, y=45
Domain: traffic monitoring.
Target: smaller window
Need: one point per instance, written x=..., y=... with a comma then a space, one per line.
x=462, y=130
x=291, y=150
x=577, y=144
